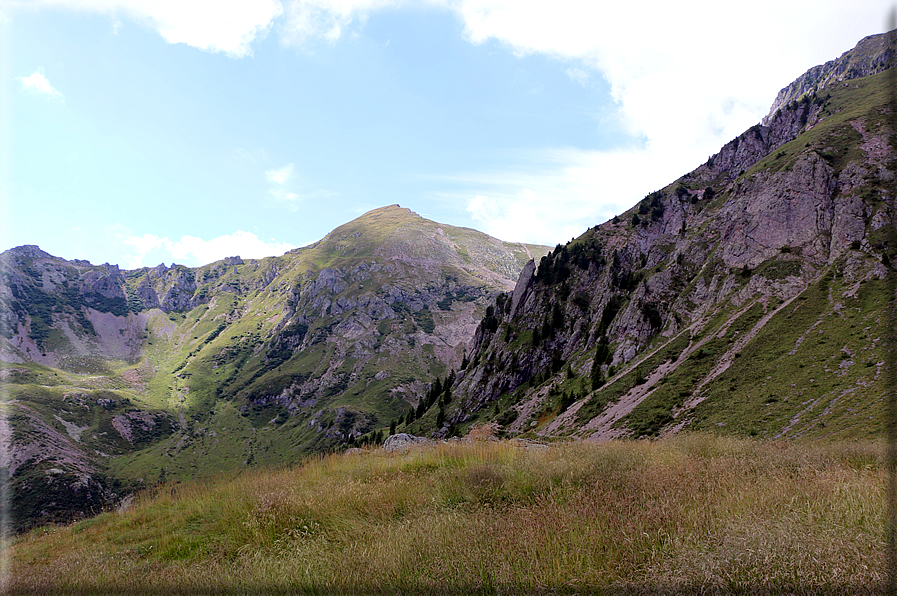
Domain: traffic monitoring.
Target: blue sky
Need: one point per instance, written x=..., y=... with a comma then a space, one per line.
x=144, y=132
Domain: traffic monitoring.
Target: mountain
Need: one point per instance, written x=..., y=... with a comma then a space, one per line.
x=114, y=379
x=750, y=296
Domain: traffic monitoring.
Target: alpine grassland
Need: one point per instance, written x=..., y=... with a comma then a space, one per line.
x=693, y=513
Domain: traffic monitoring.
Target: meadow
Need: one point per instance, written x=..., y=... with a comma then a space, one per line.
x=695, y=513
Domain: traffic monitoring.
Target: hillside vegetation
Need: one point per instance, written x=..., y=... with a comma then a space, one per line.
x=691, y=514
x=750, y=296
x=113, y=380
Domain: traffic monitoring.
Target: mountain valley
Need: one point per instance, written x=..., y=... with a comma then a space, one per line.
x=117, y=379
x=750, y=297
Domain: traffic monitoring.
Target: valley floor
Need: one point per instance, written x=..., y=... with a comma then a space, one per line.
x=688, y=514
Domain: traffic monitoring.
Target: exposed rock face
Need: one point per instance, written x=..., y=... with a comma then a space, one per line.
x=57, y=468
x=789, y=209
x=403, y=442
x=800, y=206
x=261, y=360
x=746, y=296
x=874, y=54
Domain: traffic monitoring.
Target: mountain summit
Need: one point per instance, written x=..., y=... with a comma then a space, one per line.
x=747, y=297
x=118, y=378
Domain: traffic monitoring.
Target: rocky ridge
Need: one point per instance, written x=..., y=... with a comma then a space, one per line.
x=744, y=296
x=239, y=362
x=872, y=55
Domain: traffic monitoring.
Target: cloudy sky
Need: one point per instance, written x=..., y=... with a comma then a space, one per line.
x=144, y=131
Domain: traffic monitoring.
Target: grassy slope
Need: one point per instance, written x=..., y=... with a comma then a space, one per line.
x=828, y=384
x=695, y=512
x=202, y=374
x=814, y=370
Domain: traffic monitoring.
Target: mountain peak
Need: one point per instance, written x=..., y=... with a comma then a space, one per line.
x=28, y=251
x=872, y=55
x=396, y=212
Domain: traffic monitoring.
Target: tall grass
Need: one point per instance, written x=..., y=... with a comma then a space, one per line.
x=689, y=514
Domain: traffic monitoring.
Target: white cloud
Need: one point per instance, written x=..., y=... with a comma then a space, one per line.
x=280, y=176
x=244, y=244
x=38, y=83
x=211, y=25
x=149, y=249
x=578, y=75
x=284, y=196
x=306, y=19
x=687, y=77
x=248, y=155
x=142, y=246
x=555, y=195
x=692, y=73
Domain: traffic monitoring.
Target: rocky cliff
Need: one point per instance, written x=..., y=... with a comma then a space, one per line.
x=115, y=379
x=748, y=296
x=872, y=55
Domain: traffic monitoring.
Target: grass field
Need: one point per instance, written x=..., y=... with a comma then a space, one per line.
x=690, y=514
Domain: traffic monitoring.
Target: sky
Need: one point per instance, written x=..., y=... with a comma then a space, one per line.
x=143, y=132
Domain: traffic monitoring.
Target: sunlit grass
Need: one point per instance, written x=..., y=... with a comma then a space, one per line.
x=689, y=513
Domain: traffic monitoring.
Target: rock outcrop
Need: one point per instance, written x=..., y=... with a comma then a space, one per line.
x=246, y=362
x=872, y=55
x=641, y=325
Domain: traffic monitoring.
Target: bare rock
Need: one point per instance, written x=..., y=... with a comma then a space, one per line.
x=402, y=442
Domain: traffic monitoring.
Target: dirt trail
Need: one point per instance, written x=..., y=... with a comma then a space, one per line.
x=726, y=361
x=681, y=414
x=567, y=419
x=601, y=427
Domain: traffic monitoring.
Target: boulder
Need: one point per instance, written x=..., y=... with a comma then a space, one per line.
x=402, y=442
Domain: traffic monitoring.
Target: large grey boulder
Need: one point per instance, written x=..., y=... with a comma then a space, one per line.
x=402, y=442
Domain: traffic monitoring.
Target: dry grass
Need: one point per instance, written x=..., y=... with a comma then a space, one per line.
x=688, y=514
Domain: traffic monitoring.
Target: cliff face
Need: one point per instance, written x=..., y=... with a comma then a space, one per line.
x=746, y=296
x=872, y=55
x=749, y=297
x=167, y=371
